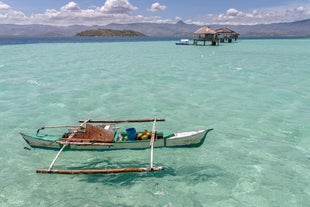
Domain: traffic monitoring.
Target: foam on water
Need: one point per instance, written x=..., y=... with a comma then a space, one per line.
x=254, y=93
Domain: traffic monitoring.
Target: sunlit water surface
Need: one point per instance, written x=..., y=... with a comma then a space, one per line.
x=254, y=93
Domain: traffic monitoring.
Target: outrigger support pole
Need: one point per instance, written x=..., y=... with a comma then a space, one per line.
x=100, y=171
x=64, y=146
x=152, y=143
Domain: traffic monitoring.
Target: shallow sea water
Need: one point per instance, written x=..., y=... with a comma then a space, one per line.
x=254, y=93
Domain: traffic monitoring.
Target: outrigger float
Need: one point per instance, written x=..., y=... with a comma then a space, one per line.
x=104, y=135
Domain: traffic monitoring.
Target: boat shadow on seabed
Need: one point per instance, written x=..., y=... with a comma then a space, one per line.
x=191, y=174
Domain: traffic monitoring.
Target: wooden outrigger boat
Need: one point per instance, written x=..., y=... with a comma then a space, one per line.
x=107, y=137
x=104, y=135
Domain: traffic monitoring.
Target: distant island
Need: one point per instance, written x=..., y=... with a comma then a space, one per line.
x=110, y=33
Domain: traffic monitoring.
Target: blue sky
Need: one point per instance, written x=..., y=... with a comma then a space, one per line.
x=102, y=12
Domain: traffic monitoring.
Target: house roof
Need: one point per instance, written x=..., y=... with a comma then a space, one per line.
x=226, y=30
x=205, y=30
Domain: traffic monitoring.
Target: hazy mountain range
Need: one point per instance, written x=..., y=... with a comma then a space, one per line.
x=179, y=29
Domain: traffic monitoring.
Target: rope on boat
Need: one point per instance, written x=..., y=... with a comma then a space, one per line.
x=46, y=127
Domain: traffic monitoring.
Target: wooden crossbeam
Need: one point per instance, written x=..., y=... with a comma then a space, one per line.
x=123, y=121
x=100, y=171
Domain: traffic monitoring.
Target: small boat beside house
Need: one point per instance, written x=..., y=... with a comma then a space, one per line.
x=183, y=42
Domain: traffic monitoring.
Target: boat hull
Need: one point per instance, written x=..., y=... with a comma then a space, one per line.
x=180, y=43
x=184, y=139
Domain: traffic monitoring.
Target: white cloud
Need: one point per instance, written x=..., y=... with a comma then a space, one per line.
x=268, y=15
x=118, y=7
x=157, y=7
x=178, y=18
x=121, y=11
x=233, y=12
x=113, y=11
x=4, y=6
x=300, y=9
x=71, y=6
x=9, y=16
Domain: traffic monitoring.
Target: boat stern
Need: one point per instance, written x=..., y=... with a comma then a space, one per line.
x=187, y=139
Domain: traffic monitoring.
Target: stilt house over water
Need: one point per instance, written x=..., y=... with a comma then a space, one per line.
x=226, y=35
x=205, y=34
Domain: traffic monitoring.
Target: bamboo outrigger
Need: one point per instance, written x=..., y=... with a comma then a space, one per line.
x=101, y=171
x=88, y=136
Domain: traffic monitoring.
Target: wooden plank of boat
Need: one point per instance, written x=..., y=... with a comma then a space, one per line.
x=85, y=143
x=123, y=121
x=101, y=171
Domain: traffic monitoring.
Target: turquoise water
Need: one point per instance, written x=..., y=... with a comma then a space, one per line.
x=254, y=93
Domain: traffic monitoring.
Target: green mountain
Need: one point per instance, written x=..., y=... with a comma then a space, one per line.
x=179, y=29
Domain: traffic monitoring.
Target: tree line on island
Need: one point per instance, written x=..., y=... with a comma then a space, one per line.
x=110, y=33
